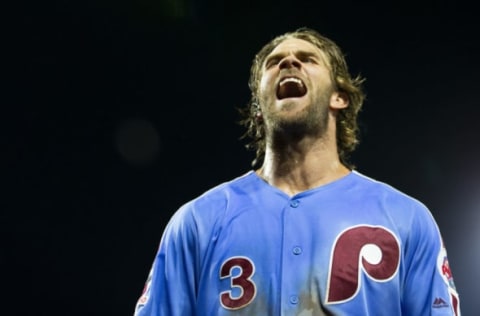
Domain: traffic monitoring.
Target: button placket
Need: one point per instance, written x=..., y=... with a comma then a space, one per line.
x=294, y=252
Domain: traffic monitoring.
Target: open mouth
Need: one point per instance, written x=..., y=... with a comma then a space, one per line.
x=290, y=87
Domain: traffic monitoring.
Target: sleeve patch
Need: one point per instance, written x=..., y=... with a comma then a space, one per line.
x=444, y=269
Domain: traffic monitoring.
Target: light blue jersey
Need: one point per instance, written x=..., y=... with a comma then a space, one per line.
x=355, y=246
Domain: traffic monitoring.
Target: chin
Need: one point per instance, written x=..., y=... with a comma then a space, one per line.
x=292, y=105
x=290, y=114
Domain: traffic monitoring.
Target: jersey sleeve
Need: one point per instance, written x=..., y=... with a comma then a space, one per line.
x=428, y=285
x=170, y=287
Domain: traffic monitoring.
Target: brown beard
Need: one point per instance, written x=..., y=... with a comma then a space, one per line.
x=311, y=121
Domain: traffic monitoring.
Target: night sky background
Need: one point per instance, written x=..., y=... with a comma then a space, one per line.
x=115, y=113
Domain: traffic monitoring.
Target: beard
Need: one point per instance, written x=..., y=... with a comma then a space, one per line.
x=310, y=121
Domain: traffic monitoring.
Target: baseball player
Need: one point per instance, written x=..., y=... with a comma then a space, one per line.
x=305, y=233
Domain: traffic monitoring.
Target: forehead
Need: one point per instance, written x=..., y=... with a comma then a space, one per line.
x=293, y=45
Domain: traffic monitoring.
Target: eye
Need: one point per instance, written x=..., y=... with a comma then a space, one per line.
x=309, y=59
x=271, y=62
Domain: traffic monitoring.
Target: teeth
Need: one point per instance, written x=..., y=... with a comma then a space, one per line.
x=291, y=79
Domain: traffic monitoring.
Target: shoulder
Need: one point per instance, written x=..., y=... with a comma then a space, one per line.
x=200, y=219
x=409, y=215
x=214, y=202
x=385, y=193
x=222, y=193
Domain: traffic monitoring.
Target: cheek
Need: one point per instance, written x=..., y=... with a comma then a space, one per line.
x=322, y=85
x=265, y=84
x=262, y=86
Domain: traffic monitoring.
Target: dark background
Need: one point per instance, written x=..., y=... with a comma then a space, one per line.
x=117, y=112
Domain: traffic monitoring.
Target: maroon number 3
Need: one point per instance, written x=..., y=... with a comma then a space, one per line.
x=242, y=281
x=372, y=248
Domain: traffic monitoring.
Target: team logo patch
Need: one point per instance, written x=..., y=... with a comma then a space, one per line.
x=444, y=268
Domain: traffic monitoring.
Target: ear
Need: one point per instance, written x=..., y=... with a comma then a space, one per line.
x=338, y=100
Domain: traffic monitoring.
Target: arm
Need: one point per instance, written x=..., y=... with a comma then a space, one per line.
x=170, y=287
x=428, y=287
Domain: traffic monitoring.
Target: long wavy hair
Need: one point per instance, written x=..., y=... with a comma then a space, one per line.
x=347, y=125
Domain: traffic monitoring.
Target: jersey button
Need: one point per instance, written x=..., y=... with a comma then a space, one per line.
x=294, y=203
x=297, y=250
x=294, y=299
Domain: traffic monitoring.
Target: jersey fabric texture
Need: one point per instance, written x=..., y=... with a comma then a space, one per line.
x=355, y=246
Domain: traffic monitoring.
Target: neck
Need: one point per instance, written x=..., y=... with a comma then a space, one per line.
x=302, y=165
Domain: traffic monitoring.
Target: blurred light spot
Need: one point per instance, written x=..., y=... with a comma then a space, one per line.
x=137, y=141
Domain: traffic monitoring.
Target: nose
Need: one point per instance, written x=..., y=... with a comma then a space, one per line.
x=290, y=61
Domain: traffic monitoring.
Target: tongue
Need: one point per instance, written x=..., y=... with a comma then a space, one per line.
x=291, y=90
